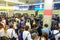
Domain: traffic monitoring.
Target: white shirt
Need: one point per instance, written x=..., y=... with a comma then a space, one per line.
x=15, y=25
x=11, y=33
x=57, y=36
x=4, y=21
x=28, y=24
x=55, y=31
x=18, y=20
x=26, y=34
x=2, y=33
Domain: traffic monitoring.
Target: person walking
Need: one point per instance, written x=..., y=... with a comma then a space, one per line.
x=26, y=34
x=11, y=33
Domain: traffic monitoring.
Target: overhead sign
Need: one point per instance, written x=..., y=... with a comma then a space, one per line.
x=23, y=7
x=36, y=7
x=15, y=8
x=39, y=7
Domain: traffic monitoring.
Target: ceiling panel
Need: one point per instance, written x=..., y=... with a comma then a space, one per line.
x=30, y=1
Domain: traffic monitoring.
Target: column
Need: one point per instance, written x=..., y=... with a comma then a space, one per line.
x=48, y=10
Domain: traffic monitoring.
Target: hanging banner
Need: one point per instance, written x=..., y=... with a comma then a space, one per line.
x=5, y=8
x=38, y=7
x=23, y=7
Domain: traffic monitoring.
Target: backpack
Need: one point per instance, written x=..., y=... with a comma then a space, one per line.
x=26, y=37
x=52, y=37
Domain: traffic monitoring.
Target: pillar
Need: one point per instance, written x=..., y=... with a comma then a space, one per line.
x=48, y=10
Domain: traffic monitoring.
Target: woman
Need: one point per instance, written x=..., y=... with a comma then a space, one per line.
x=28, y=23
x=4, y=23
x=2, y=34
x=15, y=26
x=44, y=36
x=26, y=34
x=35, y=36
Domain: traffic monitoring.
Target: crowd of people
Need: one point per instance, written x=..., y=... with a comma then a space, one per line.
x=28, y=27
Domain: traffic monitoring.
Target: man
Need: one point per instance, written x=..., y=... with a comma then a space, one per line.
x=58, y=35
x=15, y=26
x=35, y=36
x=11, y=33
x=46, y=29
x=4, y=22
x=26, y=34
x=28, y=23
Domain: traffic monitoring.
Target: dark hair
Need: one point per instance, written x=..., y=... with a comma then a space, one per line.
x=0, y=20
x=56, y=25
x=11, y=26
x=46, y=25
x=1, y=24
x=14, y=20
x=26, y=28
x=59, y=38
x=22, y=27
x=45, y=35
x=34, y=26
x=21, y=19
x=34, y=35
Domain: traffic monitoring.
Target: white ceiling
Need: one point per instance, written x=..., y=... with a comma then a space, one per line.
x=30, y=1
x=33, y=1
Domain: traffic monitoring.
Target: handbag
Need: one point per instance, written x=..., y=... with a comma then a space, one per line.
x=53, y=36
